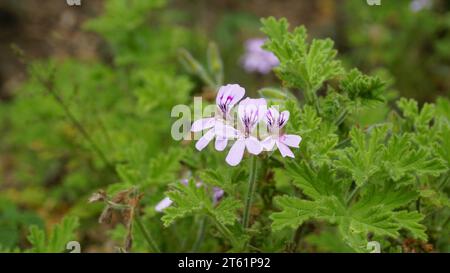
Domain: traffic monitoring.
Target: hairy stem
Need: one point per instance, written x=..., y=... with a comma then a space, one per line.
x=147, y=236
x=250, y=192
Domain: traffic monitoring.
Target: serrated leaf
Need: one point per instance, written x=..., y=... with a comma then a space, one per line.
x=193, y=199
x=401, y=159
x=56, y=240
x=411, y=222
x=225, y=212
x=315, y=184
x=362, y=159
x=362, y=89
x=293, y=213
x=302, y=65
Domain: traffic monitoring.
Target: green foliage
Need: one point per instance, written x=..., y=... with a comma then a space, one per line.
x=193, y=199
x=362, y=89
x=365, y=183
x=302, y=65
x=362, y=159
x=56, y=240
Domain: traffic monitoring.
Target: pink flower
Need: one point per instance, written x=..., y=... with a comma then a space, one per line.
x=256, y=59
x=250, y=112
x=275, y=123
x=227, y=97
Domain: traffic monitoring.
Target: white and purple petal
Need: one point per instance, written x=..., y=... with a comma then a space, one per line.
x=205, y=140
x=268, y=143
x=236, y=152
x=163, y=204
x=227, y=96
x=221, y=143
x=202, y=124
x=284, y=150
x=291, y=140
x=253, y=145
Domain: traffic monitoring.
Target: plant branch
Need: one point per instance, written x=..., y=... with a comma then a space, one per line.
x=48, y=85
x=150, y=241
x=250, y=192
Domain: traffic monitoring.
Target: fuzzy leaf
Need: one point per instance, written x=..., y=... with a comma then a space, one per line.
x=362, y=159
x=56, y=241
x=302, y=65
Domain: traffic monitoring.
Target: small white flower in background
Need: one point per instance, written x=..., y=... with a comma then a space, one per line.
x=418, y=5
x=257, y=59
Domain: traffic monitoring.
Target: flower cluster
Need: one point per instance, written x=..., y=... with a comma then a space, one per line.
x=256, y=59
x=251, y=112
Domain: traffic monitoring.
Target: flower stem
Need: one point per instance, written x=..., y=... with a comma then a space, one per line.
x=148, y=237
x=200, y=234
x=250, y=192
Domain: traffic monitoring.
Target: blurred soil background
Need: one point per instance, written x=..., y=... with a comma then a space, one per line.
x=52, y=28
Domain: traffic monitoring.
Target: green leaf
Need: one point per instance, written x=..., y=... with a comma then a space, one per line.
x=225, y=179
x=275, y=94
x=191, y=199
x=420, y=120
x=411, y=222
x=293, y=213
x=402, y=159
x=302, y=65
x=362, y=159
x=362, y=89
x=315, y=184
x=225, y=212
x=56, y=240
x=319, y=138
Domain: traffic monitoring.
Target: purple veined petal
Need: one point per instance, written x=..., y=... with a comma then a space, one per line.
x=283, y=118
x=236, y=152
x=271, y=117
x=268, y=143
x=284, y=150
x=163, y=204
x=251, y=111
x=204, y=140
x=228, y=95
x=291, y=140
x=221, y=143
x=202, y=124
x=253, y=145
x=217, y=194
